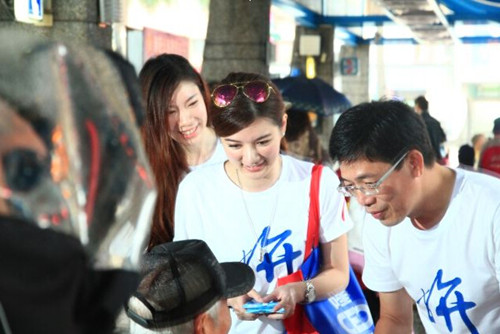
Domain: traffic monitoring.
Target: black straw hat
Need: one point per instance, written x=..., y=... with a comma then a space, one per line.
x=182, y=279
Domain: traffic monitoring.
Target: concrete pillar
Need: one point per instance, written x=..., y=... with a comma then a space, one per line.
x=237, y=38
x=324, y=68
x=73, y=20
x=324, y=62
x=356, y=87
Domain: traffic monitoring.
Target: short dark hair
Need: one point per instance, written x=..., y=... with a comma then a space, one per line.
x=379, y=131
x=422, y=103
x=298, y=123
x=466, y=155
x=496, y=126
x=242, y=111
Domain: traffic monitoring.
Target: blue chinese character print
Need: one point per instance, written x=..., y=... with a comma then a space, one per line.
x=278, y=243
x=447, y=306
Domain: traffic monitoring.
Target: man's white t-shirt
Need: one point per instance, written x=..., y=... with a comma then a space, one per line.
x=211, y=207
x=451, y=271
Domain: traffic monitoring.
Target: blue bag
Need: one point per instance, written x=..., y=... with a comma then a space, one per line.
x=346, y=312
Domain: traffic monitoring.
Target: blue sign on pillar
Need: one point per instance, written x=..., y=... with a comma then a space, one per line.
x=349, y=66
x=35, y=9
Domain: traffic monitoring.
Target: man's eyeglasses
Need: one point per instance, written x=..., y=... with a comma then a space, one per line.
x=370, y=189
x=257, y=91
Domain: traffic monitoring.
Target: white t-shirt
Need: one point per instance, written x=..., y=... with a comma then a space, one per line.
x=451, y=271
x=210, y=207
x=218, y=156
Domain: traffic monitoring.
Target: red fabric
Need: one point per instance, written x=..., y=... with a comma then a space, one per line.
x=490, y=159
x=313, y=224
x=298, y=322
x=95, y=164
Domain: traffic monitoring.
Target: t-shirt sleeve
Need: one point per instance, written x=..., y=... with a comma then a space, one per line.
x=377, y=273
x=334, y=216
x=496, y=236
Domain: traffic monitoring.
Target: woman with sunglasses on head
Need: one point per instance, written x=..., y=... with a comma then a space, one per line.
x=177, y=132
x=254, y=207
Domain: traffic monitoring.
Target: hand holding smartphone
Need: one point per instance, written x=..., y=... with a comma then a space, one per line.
x=262, y=308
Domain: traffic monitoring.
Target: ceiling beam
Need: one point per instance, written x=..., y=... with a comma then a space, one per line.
x=303, y=15
x=355, y=21
x=441, y=29
x=444, y=21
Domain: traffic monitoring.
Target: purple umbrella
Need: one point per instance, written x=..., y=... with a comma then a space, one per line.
x=312, y=95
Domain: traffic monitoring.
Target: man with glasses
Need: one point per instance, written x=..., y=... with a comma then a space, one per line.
x=439, y=242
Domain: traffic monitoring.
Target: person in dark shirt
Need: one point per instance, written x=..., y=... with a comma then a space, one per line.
x=436, y=133
x=466, y=156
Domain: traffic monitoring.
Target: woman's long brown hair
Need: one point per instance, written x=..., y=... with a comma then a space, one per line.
x=159, y=78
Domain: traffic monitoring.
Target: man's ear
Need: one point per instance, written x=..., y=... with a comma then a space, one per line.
x=203, y=324
x=416, y=162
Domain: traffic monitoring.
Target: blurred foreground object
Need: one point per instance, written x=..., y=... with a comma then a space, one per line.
x=76, y=192
x=89, y=176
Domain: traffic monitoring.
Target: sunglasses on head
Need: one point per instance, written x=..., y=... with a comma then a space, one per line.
x=257, y=91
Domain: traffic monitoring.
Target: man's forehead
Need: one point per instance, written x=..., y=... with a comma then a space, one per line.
x=361, y=160
x=360, y=168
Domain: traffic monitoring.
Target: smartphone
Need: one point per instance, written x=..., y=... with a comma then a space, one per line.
x=261, y=308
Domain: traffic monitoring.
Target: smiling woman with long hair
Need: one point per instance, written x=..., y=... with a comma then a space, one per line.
x=177, y=132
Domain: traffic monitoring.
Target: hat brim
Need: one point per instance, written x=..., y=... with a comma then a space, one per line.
x=240, y=278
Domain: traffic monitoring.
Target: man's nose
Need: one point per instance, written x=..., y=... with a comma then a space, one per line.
x=364, y=200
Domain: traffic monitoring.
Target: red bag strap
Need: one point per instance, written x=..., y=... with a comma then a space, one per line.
x=313, y=224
